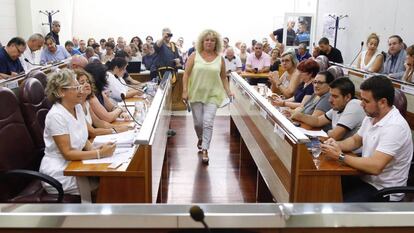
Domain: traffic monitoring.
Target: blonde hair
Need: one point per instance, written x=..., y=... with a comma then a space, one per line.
x=373, y=36
x=57, y=80
x=202, y=37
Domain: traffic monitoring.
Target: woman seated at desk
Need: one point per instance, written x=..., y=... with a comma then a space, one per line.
x=66, y=133
x=96, y=126
x=308, y=70
x=371, y=60
x=100, y=103
x=318, y=104
x=287, y=84
x=116, y=84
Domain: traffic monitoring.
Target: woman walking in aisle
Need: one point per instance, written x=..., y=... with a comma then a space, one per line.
x=205, y=86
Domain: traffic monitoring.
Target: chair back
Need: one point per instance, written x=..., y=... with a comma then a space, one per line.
x=400, y=102
x=336, y=71
x=323, y=62
x=35, y=107
x=39, y=75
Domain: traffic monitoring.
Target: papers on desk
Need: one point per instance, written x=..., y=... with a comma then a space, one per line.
x=120, y=155
x=122, y=140
x=313, y=133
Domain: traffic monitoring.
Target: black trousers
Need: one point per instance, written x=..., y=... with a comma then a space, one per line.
x=356, y=190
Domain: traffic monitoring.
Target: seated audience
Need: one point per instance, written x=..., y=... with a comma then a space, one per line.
x=102, y=50
x=96, y=126
x=100, y=103
x=69, y=46
x=82, y=46
x=287, y=84
x=66, y=133
x=75, y=41
x=91, y=41
x=308, y=69
x=149, y=40
x=149, y=55
x=266, y=48
x=274, y=60
x=243, y=55
x=90, y=55
x=316, y=52
x=232, y=62
x=29, y=59
x=371, y=60
x=120, y=44
x=394, y=63
x=138, y=42
x=10, y=65
x=346, y=114
x=333, y=54
x=135, y=53
x=409, y=65
x=387, y=146
x=258, y=62
x=97, y=49
x=302, y=53
x=77, y=62
x=116, y=84
x=110, y=54
x=318, y=104
x=53, y=52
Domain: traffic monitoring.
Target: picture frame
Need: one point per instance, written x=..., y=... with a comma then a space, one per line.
x=302, y=30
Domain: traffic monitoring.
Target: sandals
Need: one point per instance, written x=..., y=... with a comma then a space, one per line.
x=200, y=141
x=205, y=158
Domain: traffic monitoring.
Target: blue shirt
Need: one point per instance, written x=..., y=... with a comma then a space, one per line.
x=75, y=52
x=7, y=65
x=59, y=55
x=148, y=61
x=304, y=57
x=301, y=91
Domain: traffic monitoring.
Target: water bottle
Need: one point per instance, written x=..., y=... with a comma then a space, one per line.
x=139, y=113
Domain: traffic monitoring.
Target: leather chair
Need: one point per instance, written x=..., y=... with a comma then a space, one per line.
x=336, y=71
x=19, y=176
x=323, y=62
x=39, y=75
x=34, y=106
x=400, y=102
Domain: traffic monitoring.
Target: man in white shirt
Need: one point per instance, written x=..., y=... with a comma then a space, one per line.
x=233, y=63
x=387, y=146
x=29, y=59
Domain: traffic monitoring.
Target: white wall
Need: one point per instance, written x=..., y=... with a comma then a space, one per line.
x=239, y=20
x=8, y=27
x=383, y=17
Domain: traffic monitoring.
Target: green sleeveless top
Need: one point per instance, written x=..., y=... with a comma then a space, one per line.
x=205, y=83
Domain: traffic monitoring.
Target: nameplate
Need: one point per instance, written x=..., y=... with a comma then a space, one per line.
x=263, y=113
x=12, y=84
x=279, y=131
x=407, y=89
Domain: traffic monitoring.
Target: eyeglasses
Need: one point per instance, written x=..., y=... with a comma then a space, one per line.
x=78, y=88
x=318, y=82
x=18, y=50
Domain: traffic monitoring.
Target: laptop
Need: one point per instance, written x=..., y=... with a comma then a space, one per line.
x=134, y=67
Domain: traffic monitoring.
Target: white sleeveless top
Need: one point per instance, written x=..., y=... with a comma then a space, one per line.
x=366, y=67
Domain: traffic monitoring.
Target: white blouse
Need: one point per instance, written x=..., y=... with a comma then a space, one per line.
x=60, y=121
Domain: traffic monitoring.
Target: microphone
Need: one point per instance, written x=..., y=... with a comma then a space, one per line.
x=33, y=64
x=197, y=214
x=137, y=89
x=123, y=99
x=360, y=50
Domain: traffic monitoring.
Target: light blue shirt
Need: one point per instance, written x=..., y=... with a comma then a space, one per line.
x=59, y=55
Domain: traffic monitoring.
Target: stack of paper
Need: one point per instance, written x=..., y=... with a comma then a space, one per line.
x=122, y=140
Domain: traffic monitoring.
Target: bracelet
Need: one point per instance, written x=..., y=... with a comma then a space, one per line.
x=98, y=155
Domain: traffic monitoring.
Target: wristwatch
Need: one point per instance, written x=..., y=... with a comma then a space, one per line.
x=341, y=157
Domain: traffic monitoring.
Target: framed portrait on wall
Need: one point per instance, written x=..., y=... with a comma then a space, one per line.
x=299, y=28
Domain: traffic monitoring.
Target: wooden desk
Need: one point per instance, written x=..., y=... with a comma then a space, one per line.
x=254, y=75
x=139, y=179
x=279, y=150
x=177, y=88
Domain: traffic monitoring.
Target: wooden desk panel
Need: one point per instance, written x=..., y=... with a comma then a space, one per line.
x=286, y=166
